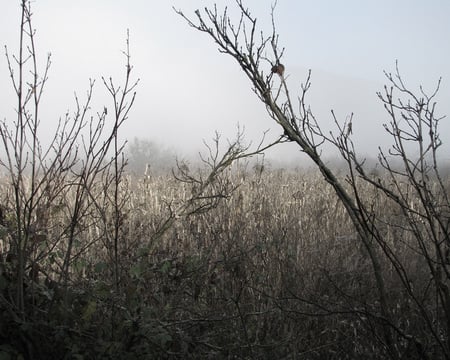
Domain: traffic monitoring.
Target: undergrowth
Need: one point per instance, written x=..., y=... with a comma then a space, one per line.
x=274, y=271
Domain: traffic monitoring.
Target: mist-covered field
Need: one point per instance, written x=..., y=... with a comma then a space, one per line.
x=272, y=270
x=116, y=250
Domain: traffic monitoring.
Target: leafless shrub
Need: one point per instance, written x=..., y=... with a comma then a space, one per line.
x=415, y=188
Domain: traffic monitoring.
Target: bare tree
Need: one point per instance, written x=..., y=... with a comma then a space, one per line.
x=72, y=165
x=414, y=184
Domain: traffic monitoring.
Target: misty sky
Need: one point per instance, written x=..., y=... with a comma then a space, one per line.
x=188, y=89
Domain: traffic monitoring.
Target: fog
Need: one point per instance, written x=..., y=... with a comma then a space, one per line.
x=188, y=90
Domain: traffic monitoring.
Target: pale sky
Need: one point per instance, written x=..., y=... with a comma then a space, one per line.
x=188, y=89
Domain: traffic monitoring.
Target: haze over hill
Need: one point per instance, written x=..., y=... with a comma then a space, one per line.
x=188, y=90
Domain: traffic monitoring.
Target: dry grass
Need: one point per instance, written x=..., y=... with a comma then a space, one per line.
x=275, y=271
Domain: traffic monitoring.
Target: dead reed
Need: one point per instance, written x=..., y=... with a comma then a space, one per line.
x=274, y=270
